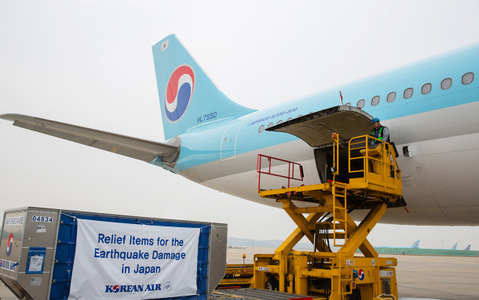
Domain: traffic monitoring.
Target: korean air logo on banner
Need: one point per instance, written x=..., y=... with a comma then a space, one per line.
x=10, y=244
x=131, y=288
x=179, y=91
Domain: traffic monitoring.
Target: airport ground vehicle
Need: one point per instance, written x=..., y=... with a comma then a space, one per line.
x=360, y=177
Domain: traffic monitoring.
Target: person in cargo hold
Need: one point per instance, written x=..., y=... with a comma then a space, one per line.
x=379, y=132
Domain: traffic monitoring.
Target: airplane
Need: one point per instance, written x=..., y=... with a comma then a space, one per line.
x=415, y=250
x=430, y=108
x=416, y=244
x=454, y=247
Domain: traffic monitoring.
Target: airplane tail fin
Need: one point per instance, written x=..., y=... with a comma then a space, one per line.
x=416, y=244
x=188, y=97
x=468, y=247
x=454, y=247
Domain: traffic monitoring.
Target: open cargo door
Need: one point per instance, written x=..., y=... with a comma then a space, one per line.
x=317, y=127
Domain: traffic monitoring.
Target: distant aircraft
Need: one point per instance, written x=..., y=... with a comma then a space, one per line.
x=415, y=250
x=416, y=244
x=430, y=108
x=454, y=247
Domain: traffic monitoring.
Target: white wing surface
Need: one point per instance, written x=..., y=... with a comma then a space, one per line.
x=123, y=145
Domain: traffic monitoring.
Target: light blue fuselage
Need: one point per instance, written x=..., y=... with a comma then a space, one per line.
x=439, y=128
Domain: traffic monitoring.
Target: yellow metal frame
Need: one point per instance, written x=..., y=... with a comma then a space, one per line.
x=238, y=275
x=294, y=270
x=323, y=273
x=380, y=169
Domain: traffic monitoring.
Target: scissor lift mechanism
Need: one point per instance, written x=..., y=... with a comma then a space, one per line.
x=328, y=272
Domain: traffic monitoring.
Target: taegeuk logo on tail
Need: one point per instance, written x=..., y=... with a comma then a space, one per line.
x=179, y=92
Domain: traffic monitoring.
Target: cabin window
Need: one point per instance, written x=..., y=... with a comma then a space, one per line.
x=391, y=97
x=408, y=93
x=361, y=103
x=467, y=78
x=279, y=122
x=270, y=124
x=375, y=101
x=289, y=119
x=426, y=89
x=446, y=83
x=261, y=129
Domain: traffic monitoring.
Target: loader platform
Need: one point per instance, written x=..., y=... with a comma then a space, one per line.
x=333, y=270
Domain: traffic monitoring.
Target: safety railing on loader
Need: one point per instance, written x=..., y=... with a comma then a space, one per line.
x=374, y=162
x=371, y=182
x=279, y=168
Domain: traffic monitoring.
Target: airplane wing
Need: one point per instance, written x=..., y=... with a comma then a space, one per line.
x=123, y=145
x=316, y=128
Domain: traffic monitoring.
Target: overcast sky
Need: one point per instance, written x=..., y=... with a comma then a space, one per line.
x=90, y=63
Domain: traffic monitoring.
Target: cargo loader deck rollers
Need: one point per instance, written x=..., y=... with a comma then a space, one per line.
x=373, y=181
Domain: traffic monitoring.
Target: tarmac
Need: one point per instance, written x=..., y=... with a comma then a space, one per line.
x=419, y=277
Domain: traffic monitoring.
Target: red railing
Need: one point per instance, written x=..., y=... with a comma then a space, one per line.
x=292, y=172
